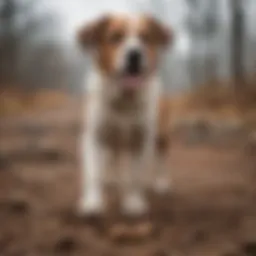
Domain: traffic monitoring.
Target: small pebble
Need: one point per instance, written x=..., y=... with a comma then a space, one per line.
x=19, y=206
x=65, y=244
x=249, y=249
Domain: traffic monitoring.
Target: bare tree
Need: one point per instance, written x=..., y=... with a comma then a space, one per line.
x=8, y=40
x=31, y=55
x=11, y=37
x=237, y=41
x=211, y=27
x=202, y=23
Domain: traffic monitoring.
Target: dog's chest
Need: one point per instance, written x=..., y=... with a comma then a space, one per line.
x=122, y=125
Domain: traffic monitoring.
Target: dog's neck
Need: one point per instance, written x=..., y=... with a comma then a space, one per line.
x=109, y=96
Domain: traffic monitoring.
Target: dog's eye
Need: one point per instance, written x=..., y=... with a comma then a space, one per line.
x=145, y=38
x=116, y=37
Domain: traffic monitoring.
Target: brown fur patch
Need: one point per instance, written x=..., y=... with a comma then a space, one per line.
x=93, y=34
x=163, y=139
x=113, y=137
x=114, y=35
x=137, y=138
x=127, y=102
x=160, y=34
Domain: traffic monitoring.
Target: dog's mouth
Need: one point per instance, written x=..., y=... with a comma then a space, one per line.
x=132, y=82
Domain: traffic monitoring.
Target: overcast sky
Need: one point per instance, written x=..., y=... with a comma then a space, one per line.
x=75, y=12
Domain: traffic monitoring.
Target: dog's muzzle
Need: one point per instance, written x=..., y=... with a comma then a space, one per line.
x=134, y=63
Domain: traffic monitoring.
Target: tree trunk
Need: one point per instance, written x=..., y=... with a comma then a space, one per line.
x=8, y=43
x=237, y=39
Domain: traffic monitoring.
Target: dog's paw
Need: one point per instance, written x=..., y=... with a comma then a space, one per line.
x=91, y=206
x=162, y=186
x=134, y=205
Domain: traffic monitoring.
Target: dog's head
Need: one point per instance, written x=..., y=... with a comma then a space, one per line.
x=126, y=49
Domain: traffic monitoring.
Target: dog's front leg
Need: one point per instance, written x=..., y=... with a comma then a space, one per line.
x=133, y=197
x=93, y=164
x=134, y=165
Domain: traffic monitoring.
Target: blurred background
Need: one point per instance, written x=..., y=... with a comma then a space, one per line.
x=214, y=40
x=209, y=104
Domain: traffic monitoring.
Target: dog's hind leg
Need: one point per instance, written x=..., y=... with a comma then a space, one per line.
x=162, y=181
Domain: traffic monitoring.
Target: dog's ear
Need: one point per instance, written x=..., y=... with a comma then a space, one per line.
x=162, y=35
x=92, y=34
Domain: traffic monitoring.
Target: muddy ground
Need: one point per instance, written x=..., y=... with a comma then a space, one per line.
x=211, y=211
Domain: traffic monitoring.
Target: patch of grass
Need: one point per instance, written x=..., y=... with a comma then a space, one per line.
x=16, y=102
x=217, y=102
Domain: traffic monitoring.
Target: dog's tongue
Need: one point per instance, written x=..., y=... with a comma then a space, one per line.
x=132, y=82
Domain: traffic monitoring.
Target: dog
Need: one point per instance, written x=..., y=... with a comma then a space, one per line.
x=122, y=109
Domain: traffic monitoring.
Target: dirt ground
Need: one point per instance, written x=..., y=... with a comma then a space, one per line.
x=211, y=210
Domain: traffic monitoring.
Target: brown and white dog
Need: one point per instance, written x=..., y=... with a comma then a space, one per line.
x=121, y=115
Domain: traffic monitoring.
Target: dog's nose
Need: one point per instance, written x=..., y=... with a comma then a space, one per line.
x=134, y=60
